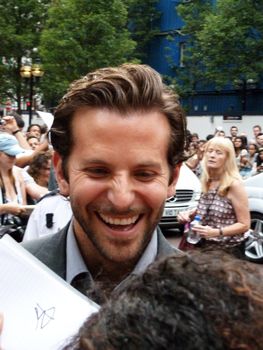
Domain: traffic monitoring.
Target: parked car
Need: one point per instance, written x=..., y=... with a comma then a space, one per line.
x=254, y=244
x=254, y=188
x=188, y=190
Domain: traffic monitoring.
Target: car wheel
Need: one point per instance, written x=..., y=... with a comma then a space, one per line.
x=254, y=243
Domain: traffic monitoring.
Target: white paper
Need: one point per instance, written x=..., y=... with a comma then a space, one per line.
x=47, y=118
x=40, y=309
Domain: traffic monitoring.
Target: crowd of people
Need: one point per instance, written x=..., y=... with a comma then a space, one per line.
x=17, y=159
x=118, y=141
x=248, y=152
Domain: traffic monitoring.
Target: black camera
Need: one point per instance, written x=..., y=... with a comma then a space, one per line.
x=13, y=226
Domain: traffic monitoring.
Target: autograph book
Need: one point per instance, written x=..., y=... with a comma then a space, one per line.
x=41, y=311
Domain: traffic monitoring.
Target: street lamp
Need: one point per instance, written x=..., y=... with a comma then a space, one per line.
x=32, y=72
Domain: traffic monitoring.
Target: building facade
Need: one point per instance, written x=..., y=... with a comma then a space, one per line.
x=166, y=53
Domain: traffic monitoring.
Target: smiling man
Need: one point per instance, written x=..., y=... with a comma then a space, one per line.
x=118, y=136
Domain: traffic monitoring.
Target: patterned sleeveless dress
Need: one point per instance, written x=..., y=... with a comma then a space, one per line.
x=218, y=212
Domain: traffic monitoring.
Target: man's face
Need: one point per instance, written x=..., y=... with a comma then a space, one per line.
x=233, y=131
x=118, y=180
x=35, y=130
x=256, y=131
x=33, y=143
x=260, y=140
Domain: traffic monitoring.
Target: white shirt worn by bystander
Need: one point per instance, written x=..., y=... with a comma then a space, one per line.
x=50, y=215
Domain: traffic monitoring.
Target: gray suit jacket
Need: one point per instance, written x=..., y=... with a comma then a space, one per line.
x=51, y=250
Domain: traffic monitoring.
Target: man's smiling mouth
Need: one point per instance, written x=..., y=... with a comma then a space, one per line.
x=109, y=220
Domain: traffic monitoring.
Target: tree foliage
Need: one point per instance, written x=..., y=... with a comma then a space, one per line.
x=73, y=37
x=20, y=27
x=232, y=41
x=142, y=23
x=81, y=36
x=225, y=41
x=192, y=74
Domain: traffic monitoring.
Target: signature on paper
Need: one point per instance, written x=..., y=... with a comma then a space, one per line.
x=44, y=316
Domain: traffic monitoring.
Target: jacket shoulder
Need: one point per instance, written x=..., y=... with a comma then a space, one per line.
x=164, y=247
x=50, y=250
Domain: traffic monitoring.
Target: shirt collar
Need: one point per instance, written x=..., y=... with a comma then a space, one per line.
x=76, y=264
x=148, y=256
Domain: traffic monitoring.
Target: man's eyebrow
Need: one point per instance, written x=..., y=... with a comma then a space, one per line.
x=149, y=165
x=146, y=164
x=95, y=161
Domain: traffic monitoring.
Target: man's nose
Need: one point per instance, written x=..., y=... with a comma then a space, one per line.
x=121, y=192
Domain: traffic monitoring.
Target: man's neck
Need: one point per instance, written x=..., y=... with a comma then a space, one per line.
x=102, y=269
x=109, y=272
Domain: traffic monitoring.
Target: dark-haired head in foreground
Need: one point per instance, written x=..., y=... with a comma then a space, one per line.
x=203, y=301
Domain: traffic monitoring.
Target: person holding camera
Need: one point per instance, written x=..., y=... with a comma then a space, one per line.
x=12, y=186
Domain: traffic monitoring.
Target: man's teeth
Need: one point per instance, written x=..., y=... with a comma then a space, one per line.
x=118, y=221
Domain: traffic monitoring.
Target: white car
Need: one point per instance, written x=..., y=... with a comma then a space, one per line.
x=188, y=190
x=254, y=188
x=254, y=244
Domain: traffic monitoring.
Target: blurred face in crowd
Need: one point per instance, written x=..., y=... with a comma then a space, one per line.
x=193, y=147
x=6, y=161
x=237, y=142
x=256, y=130
x=215, y=158
x=233, y=131
x=260, y=140
x=221, y=133
x=35, y=130
x=33, y=142
x=194, y=138
x=45, y=170
x=118, y=181
x=252, y=149
x=260, y=154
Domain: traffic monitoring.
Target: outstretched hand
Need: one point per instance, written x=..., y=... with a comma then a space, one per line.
x=186, y=216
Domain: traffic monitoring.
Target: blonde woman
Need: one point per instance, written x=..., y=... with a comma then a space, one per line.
x=223, y=205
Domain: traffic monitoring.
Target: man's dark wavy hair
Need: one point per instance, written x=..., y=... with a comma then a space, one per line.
x=129, y=87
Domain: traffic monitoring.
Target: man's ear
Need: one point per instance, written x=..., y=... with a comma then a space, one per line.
x=62, y=182
x=173, y=181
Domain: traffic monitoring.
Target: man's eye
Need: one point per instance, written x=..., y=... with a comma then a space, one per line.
x=145, y=175
x=97, y=172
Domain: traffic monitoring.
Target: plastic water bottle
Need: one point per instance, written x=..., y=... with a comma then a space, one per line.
x=193, y=237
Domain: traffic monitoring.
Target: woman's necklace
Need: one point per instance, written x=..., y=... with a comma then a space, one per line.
x=213, y=183
x=210, y=179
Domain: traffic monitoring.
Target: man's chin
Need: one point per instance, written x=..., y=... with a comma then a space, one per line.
x=123, y=255
x=116, y=246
